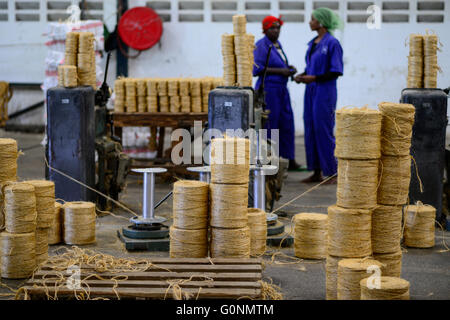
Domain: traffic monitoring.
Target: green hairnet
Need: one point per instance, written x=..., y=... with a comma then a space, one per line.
x=328, y=18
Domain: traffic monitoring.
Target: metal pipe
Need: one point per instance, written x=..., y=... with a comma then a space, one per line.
x=259, y=195
x=148, y=195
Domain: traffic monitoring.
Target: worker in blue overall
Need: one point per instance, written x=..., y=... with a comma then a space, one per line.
x=324, y=64
x=278, y=100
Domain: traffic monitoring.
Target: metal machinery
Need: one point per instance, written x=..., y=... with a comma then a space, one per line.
x=77, y=127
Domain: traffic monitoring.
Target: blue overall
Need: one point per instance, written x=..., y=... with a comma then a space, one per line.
x=320, y=105
x=277, y=100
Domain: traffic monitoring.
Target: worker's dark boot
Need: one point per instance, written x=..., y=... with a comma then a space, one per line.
x=316, y=177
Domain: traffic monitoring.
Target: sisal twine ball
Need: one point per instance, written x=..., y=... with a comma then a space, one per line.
x=257, y=223
x=188, y=243
x=357, y=183
x=230, y=160
x=349, y=232
x=8, y=160
x=358, y=132
x=395, y=176
x=17, y=254
x=419, y=226
x=45, y=201
x=41, y=245
x=386, y=229
x=239, y=24
x=310, y=235
x=190, y=204
x=389, y=288
x=19, y=207
x=416, y=45
x=396, y=128
x=391, y=263
x=350, y=274
x=79, y=222
x=229, y=205
x=230, y=243
x=55, y=230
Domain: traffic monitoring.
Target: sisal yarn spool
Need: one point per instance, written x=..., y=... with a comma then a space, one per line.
x=430, y=66
x=119, y=90
x=188, y=243
x=152, y=103
x=239, y=24
x=357, y=183
x=55, y=230
x=358, y=132
x=17, y=252
x=395, y=176
x=415, y=45
x=20, y=207
x=396, y=129
x=419, y=226
x=227, y=44
x=229, y=205
x=8, y=160
x=60, y=76
x=391, y=263
x=257, y=223
x=41, y=245
x=71, y=42
x=162, y=87
x=415, y=71
x=230, y=243
x=195, y=87
x=70, y=76
x=206, y=86
x=349, y=232
x=310, y=235
x=196, y=104
x=79, y=222
x=190, y=204
x=230, y=160
x=163, y=103
x=130, y=95
x=430, y=44
x=205, y=105
x=141, y=87
x=350, y=274
x=185, y=104
x=429, y=82
x=184, y=87
x=172, y=87
x=86, y=42
x=152, y=87
x=386, y=229
x=45, y=201
x=389, y=288
x=142, y=103
x=175, y=104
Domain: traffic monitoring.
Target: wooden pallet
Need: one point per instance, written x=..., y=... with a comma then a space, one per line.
x=225, y=279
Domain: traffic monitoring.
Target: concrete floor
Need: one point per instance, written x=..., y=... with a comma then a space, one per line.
x=427, y=270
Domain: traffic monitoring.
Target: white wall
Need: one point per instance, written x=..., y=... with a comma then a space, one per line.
x=375, y=61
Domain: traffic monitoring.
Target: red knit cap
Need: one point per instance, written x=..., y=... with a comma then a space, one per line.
x=269, y=20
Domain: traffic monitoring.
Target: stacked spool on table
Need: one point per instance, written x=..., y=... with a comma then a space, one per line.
x=230, y=166
x=395, y=175
x=189, y=232
x=358, y=149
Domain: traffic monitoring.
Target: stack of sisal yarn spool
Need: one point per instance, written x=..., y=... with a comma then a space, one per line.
x=394, y=175
x=8, y=167
x=207, y=85
x=119, y=100
x=358, y=149
x=141, y=95
x=310, y=235
x=45, y=208
x=257, y=223
x=415, y=61
x=185, y=97
x=174, y=98
x=18, y=241
x=130, y=95
x=237, y=53
x=230, y=165
x=152, y=95
x=196, y=95
x=189, y=232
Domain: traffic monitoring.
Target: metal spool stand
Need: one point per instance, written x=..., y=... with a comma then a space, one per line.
x=204, y=173
x=147, y=232
x=275, y=229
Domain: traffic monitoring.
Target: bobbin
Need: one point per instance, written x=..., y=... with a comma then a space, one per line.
x=259, y=187
x=204, y=173
x=148, y=197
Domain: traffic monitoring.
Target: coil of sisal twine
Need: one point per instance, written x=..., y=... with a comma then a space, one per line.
x=357, y=183
x=229, y=205
x=19, y=207
x=17, y=254
x=350, y=274
x=45, y=201
x=190, y=204
x=79, y=222
x=239, y=24
x=396, y=129
x=230, y=243
x=41, y=245
x=386, y=229
x=416, y=45
x=349, y=232
x=390, y=288
x=188, y=243
x=358, y=132
x=230, y=160
x=430, y=44
x=395, y=176
x=55, y=230
x=391, y=263
x=8, y=160
x=257, y=223
x=419, y=226
x=310, y=235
